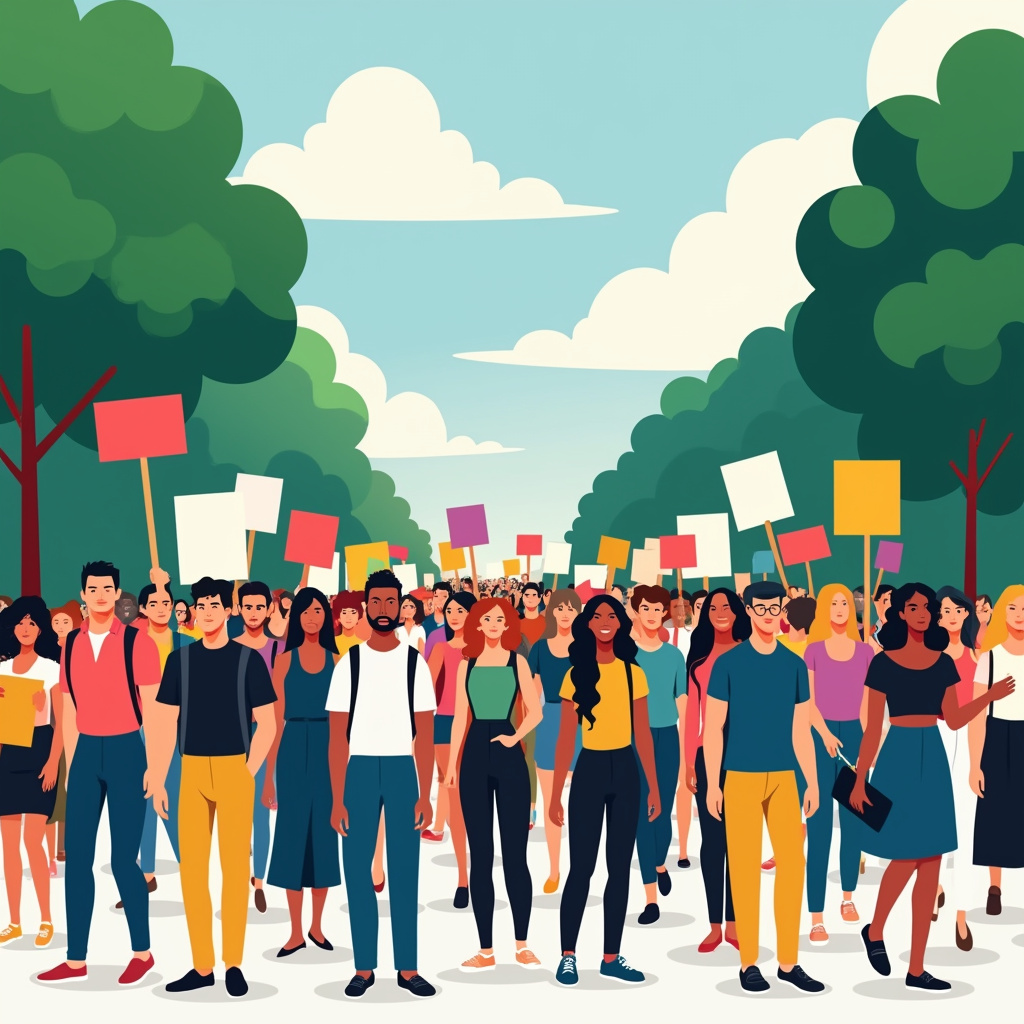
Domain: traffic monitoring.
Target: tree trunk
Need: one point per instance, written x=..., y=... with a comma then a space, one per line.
x=971, y=488
x=31, y=576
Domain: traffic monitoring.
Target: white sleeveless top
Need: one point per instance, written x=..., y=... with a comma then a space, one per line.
x=1010, y=709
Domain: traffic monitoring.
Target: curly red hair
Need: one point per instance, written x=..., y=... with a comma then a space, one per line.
x=510, y=639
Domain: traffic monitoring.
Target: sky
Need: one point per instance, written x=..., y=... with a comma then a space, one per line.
x=643, y=107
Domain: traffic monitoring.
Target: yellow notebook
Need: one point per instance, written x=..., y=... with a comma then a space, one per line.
x=17, y=712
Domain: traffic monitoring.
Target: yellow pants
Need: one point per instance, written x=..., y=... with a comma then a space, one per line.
x=750, y=799
x=221, y=787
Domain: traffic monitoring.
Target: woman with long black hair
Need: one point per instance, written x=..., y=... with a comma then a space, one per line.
x=723, y=625
x=305, y=854
x=918, y=681
x=28, y=775
x=606, y=690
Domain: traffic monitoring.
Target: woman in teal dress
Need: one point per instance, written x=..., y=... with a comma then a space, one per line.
x=305, y=853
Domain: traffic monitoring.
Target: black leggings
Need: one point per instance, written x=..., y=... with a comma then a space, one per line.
x=713, y=863
x=492, y=774
x=605, y=785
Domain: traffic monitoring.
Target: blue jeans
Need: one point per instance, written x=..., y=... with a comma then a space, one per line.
x=373, y=784
x=105, y=769
x=147, y=850
x=260, y=825
x=653, y=838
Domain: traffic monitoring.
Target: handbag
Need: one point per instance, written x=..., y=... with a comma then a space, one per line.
x=873, y=816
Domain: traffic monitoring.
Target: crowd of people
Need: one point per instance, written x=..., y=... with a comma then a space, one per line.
x=342, y=713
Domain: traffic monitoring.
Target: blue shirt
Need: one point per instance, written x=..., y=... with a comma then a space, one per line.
x=665, y=669
x=762, y=690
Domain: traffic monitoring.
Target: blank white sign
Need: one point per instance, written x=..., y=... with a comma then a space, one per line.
x=494, y=571
x=557, y=557
x=595, y=575
x=262, y=495
x=646, y=569
x=406, y=576
x=327, y=581
x=428, y=580
x=714, y=553
x=211, y=536
x=757, y=491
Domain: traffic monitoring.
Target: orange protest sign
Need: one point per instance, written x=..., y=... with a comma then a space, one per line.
x=512, y=567
x=452, y=559
x=358, y=557
x=867, y=498
x=613, y=553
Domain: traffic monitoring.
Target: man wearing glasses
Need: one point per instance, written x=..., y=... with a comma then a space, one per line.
x=760, y=692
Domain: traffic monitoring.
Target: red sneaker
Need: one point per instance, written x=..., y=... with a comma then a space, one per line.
x=63, y=973
x=136, y=970
x=432, y=837
x=768, y=865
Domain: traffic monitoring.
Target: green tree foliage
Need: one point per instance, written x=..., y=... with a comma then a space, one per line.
x=916, y=321
x=751, y=405
x=119, y=235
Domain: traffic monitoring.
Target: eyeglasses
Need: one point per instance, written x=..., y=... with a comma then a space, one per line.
x=767, y=609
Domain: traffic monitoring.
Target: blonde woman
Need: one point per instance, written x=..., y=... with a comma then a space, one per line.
x=837, y=666
x=996, y=740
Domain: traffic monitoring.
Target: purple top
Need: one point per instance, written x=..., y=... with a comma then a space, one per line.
x=838, y=685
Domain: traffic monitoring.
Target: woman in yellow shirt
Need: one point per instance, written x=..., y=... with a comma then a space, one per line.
x=605, y=692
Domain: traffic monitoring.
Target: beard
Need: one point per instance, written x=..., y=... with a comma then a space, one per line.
x=382, y=624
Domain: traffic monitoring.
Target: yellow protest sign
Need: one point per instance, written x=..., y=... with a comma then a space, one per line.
x=357, y=559
x=17, y=712
x=867, y=498
x=512, y=567
x=613, y=553
x=452, y=559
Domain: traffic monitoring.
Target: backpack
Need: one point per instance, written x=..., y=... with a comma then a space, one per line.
x=243, y=716
x=129, y=667
x=353, y=661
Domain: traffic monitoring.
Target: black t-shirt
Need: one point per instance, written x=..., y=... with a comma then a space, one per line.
x=214, y=728
x=912, y=691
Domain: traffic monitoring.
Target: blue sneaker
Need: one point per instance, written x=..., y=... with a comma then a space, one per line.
x=567, y=973
x=619, y=970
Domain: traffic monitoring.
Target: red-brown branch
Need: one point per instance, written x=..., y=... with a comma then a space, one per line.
x=981, y=432
x=6, y=460
x=54, y=435
x=995, y=458
x=960, y=476
x=9, y=399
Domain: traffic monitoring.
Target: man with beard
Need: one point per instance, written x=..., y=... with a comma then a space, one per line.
x=381, y=705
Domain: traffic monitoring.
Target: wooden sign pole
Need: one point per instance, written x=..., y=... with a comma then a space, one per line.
x=775, y=552
x=248, y=554
x=810, y=580
x=610, y=579
x=707, y=583
x=554, y=586
x=472, y=568
x=527, y=568
x=147, y=495
x=878, y=583
x=679, y=582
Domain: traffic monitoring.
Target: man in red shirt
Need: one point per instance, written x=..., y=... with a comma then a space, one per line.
x=110, y=673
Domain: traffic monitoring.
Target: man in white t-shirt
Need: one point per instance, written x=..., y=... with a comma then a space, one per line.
x=381, y=705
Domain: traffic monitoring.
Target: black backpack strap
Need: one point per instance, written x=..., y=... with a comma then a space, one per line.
x=130, y=635
x=629, y=684
x=991, y=676
x=183, y=703
x=414, y=656
x=353, y=664
x=69, y=643
x=513, y=663
x=243, y=715
x=273, y=654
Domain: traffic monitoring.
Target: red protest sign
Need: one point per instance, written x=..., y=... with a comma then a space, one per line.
x=585, y=591
x=397, y=554
x=529, y=545
x=679, y=552
x=312, y=539
x=140, y=428
x=804, y=545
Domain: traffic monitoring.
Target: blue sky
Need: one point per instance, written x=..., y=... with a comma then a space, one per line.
x=645, y=107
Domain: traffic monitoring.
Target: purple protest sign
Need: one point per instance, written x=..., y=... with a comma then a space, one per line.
x=889, y=556
x=467, y=526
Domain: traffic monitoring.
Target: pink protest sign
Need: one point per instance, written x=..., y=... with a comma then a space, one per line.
x=889, y=556
x=467, y=526
x=804, y=545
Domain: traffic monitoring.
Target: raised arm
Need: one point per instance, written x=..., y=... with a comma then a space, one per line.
x=957, y=717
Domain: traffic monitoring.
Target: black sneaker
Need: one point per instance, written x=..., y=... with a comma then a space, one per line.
x=877, y=956
x=190, y=982
x=235, y=983
x=664, y=883
x=683, y=862
x=927, y=983
x=650, y=914
x=461, y=900
x=358, y=985
x=417, y=986
x=799, y=978
x=752, y=980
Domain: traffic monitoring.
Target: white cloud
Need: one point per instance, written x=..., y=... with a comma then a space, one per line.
x=732, y=272
x=408, y=425
x=911, y=44
x=381, y=155
x=729, y=273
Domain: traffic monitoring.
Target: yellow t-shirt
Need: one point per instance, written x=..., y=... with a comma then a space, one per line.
x=611, y=729
x=164, y=649
x=796, y=646
x=346, y=643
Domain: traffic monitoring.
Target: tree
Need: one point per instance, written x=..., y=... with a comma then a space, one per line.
x=121, y=241
x=916, y=321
